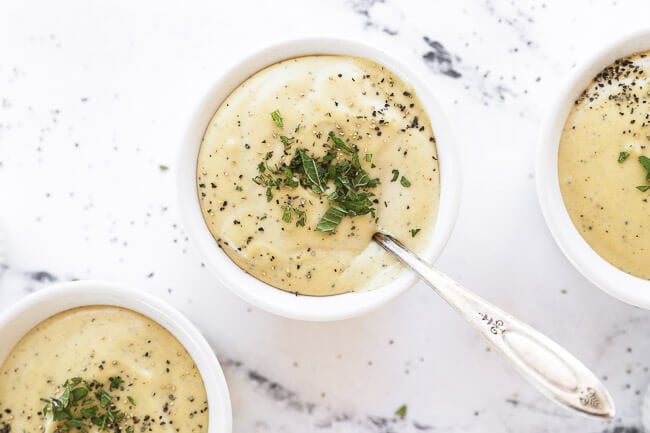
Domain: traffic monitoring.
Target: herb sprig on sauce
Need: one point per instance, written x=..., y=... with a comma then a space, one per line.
x=277, y=118
x=84, y=404
x=338, y=173
x=645, y=162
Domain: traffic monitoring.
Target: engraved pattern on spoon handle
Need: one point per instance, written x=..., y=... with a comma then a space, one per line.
x=549, y=367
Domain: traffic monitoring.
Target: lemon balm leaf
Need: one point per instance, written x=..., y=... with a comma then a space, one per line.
x=301, y=221
x=76, y=423
x=301, y=217
x=79, y=394
x=105, y=399
x=89, y=412
x=339, y=143
x=645, y=162
x=277, y=118
x=312, y=171
x=338, y=173
x=331, y=219
x=286, y=214
x=362, y=179
x=622, y=156
x=286, y=141
x=65, y=397
x=116, y=382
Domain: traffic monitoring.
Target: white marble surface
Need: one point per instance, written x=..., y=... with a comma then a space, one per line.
x=95, y=95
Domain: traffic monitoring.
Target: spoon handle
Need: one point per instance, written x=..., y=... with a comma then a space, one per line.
x=549, y=367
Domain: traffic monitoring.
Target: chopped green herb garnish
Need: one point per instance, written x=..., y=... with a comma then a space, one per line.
x=395, y=175
x=301, y=217
x=89, y=412
x=297, y=128
x=239, y=188
x=286, y=141
x=291, y=182
x=131, y=400
x=622, y=156
x=355, y=160
x=313, y=171
x=83, y=404
x=286, y=214
x=330, y=156
x=362, y=179
x=65, y=397
x=645, y=162
x=331, y=219
x=401, y=412
x=277, y=118
x=104, y=399
x=414, y=232
x=116, y=382
x=338, y=173
x=76, y=423
x=79, y=394
x=405, y=182
x=339, y=143
x=163, y=167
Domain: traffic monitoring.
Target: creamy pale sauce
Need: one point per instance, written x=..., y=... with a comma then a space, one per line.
x=600, y=194
x=98, y=343
x=363, y=103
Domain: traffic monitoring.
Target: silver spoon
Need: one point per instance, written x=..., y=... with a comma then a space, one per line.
x=550, y=368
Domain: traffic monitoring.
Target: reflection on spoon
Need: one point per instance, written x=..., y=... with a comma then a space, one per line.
x=541, y=361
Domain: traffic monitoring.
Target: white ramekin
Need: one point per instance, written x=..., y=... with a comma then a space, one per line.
x=257, y=292
x=621, y=285
x=21, y=317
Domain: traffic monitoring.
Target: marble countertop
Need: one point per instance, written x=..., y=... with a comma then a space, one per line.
x=94, y=97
